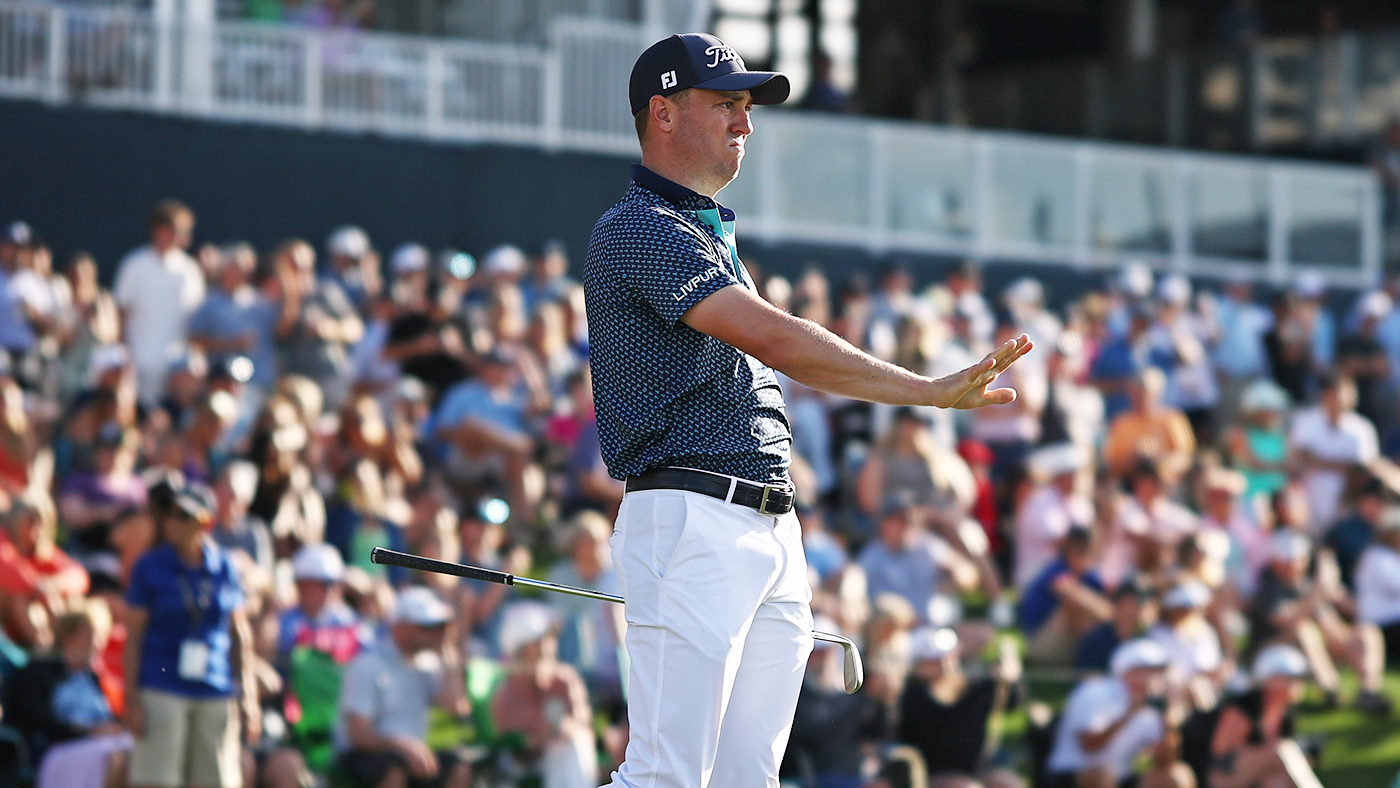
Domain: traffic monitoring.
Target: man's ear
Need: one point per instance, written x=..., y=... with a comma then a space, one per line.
x=662, y=112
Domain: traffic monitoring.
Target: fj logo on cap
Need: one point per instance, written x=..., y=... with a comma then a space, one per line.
x=721, y=54
x=668, y=80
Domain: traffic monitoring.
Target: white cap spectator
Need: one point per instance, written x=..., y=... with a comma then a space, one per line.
x=106, y=358
x=421, y=607
x=1264, y=396
x=348, y=241
x=1136, y=279
x=524, y=623
x=19, y=234
x=1056, y=460
x=1289, y=546
x=1139, y=653
x=504, y=260
x=1310, y=285
x=1024, y=292
x=1174, y=290
x=1187, y=594
x=930, y=643
x=1375, y=304
x=1280, y=659
x=410, y=259
x=318, y=562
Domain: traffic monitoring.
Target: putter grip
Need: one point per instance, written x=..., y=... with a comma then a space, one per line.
x=379, y=555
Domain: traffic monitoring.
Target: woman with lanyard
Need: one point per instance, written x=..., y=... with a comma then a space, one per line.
x=188, y=653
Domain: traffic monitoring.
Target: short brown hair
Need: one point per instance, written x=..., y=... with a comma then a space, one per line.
x=167, y=212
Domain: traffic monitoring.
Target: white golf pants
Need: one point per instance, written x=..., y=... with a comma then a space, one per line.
x=719, y=629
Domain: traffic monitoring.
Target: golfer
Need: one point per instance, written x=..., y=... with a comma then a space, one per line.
x=707, y=549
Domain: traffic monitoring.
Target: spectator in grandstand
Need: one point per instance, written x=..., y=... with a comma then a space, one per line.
x=549, y=279
x=189, y=652
x=544, y=702
x=354, y=265
x=38, y=580
x=57, y=702
x=236, y=320
x=1239, y=355
x=1177, y=344
x=420, y=339
x=1150, y=430
x=832, y=732
x=158, y=287
x=1051, y=510
x=1329, y=442
x=19, y=443
x=1258, y=444
x=1377, y=582
x=234, y=528
x=574, y=434
x=908, y=462
x=907, y=560
x=89, y=502
x=1135, y=610
x=386, y=694
x=316, y=323
x=1109, y=721
x=1121, y=357
x=1196, y=660
x=1013, y=430
x=1291, y=607
x=591, y=631
x=1362, y=357
x=1074, y=410
x=16, y=334
x=320, y=620
x=1063, y=602
x=1253, y=742
x=943, y=712
x=1145, y=528
x=1349, y=536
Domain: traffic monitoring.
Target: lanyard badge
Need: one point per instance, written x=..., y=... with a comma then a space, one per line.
x=194, y=652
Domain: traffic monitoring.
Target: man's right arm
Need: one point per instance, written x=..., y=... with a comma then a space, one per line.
x=813, y=356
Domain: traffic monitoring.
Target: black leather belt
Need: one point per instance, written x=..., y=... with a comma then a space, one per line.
x=769, y=499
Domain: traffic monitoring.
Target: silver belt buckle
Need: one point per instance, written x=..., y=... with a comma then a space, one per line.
x=763, y=501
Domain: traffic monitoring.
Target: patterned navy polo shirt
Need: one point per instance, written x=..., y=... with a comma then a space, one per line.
x=665, y=393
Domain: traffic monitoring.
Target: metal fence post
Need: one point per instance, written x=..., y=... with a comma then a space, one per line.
x=1276, y=239
x=163, y=30
x=436, y=77
x=311, y=84
x=57, y=90
x=552, y=94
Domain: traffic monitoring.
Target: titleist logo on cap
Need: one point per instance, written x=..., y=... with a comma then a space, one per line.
x=722, y=54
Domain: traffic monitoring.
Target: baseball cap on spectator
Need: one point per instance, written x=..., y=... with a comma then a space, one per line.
x=1217, y=479
x=1055, y=460
x=1280, y=659
x=106, y=358
x=410, y=259
x=421, y=607
x=524, y=623
x=1139, y=653
x=318, y=562
x=1310, y=285
x=504, y=260
x=1174, y=290
x=1288, y=546
x=1136, y=279
x=195, y=501
x=699, y=60
x=1024, y=292
x=18, y=233
x=348, y=241
x=1264, y=396
x=110, y=435
x=1186, y=595
x=931, y=643
x=1375, y=305
x=897, y=502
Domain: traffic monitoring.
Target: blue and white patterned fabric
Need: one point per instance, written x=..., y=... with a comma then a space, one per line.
x=666, y=394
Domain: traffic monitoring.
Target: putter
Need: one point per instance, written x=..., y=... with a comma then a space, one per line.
x=853, y=668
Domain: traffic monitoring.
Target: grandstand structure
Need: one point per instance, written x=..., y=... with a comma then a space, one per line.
x=880, y=186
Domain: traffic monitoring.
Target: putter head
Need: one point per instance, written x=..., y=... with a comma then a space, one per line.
x=853, y=668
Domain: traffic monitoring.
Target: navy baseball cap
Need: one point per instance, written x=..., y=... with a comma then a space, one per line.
x=699, y=60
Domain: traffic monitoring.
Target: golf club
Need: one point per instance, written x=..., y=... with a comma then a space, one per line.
x=853, y=669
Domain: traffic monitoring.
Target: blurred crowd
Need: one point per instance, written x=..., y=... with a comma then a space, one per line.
x=1188, y=513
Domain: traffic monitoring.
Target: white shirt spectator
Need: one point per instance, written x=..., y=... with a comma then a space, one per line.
x=1045, y=517
x=1094, y=706
x=1377, y=582
x=158, y=294
x=1351, y=440
x=1163, y=521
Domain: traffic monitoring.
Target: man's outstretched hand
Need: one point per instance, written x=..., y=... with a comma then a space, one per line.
x=968, y=389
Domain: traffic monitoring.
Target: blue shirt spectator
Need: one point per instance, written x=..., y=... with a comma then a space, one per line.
x=1040, y=600
x=1240, y=350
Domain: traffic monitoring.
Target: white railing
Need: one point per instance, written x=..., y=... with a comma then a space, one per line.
x=876, y=185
